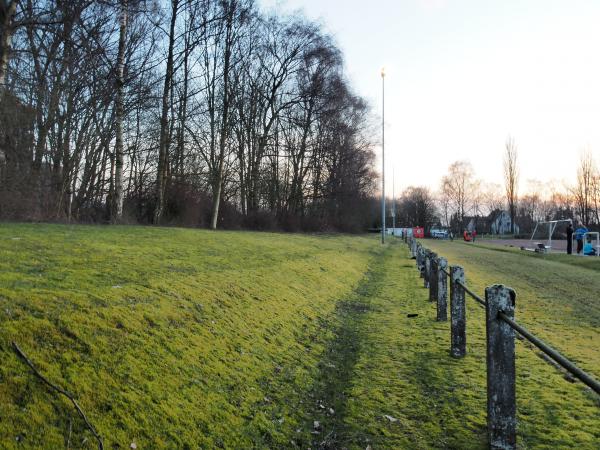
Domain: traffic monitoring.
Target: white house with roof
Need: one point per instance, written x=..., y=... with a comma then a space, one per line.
x=500, y=223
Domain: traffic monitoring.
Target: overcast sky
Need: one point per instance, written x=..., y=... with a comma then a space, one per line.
x=464, y=74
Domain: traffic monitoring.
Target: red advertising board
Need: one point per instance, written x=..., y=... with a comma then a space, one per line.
x=419, y=232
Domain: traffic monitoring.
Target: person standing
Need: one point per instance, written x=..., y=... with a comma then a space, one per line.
x=570, y=238
x=579, y=234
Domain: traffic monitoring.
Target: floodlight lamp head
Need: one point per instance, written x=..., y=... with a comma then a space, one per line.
x=383, y=72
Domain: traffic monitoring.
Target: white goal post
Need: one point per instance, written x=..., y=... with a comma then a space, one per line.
x=551, y=227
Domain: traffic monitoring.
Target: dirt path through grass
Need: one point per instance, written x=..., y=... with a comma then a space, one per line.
x=386, y=380
x=331, y=395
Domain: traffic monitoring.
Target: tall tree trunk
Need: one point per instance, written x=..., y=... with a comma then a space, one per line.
x=179, y=163
x=512, y=218
x=7, y=13
x=117, y=204
x=224, y=119
x=161, y=177
x=242, y=179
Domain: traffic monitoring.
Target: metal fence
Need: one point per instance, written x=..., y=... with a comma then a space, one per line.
x=501, y=329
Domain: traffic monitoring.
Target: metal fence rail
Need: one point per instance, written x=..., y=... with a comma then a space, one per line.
x=556, y=356
x=473, y=295
x=499, y=305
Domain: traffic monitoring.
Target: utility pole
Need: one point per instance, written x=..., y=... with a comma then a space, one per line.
x=383, y=157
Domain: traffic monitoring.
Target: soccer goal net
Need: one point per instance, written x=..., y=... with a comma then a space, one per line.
x=545, y=231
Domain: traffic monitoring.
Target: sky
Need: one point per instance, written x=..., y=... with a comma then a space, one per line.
x=463, y=75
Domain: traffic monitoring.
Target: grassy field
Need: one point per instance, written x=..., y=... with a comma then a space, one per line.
x=558, y=300
x=175, y=338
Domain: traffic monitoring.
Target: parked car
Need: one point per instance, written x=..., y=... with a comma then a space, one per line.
x=438, y=233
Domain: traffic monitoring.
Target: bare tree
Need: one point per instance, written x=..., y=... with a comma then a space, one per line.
x=596, y=197
x=492, y=197
x=246, y=117
x=417, y=208
x=117, y=207
x=8, y=9
x=163, y=145
x=584, y=189
x=460, y=186
x=445, y=202
x=511, y=178
x=233, y=11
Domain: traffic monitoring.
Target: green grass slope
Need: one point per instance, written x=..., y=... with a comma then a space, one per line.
x=176, y=338
x=168, y=337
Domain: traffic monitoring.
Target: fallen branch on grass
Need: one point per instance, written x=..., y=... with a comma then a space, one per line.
x=61, y=391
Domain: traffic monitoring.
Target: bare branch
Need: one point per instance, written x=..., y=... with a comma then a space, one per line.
x=60, y=390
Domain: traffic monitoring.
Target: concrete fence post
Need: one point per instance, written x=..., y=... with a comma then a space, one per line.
x=433, y=277
x=458, y=317
x=427, y=266
x=442, y=290
x=501, y=397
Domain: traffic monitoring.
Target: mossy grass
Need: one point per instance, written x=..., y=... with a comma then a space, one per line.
x=557, y=301
x=175, y=338
x=170, y=338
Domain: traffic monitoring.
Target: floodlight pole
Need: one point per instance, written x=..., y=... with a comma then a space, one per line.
x=394, y=201
x=383, y=156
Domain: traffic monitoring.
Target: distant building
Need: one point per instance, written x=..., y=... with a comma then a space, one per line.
x=498, y=222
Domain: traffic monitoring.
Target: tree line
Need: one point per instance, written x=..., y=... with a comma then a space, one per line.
x=462, y=196
x=192, y=112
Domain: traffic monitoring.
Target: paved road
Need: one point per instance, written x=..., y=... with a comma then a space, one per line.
x=557, y=245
